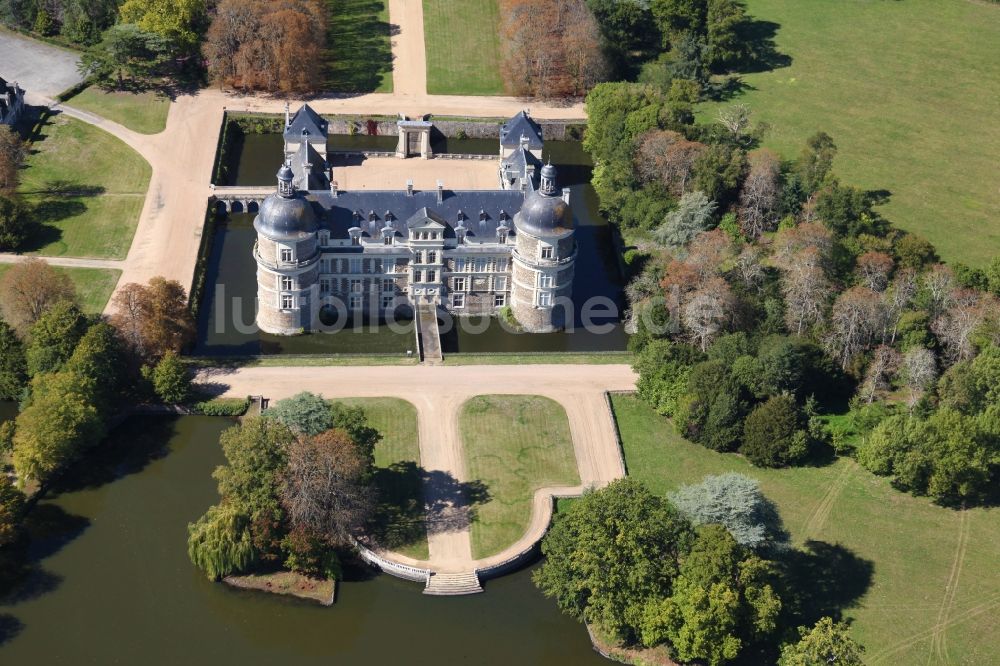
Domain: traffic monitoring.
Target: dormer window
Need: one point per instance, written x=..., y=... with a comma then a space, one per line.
x=371, y=216
x=387, y=239
x=324, y=237
x=482, y=216
x=460, y=235
x=503, y=216
x=502, y=235
x=355, y=239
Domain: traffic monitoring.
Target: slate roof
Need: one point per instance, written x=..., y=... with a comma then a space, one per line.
x=515, y=168
x=316, y=178
x=511, y=131
x=481, y=210
x=307, y=120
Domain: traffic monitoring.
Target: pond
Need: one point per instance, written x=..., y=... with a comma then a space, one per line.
x=113, y=584
x=231, y=269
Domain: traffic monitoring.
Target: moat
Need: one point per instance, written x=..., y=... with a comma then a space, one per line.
x=227, y=305
x=112, y=579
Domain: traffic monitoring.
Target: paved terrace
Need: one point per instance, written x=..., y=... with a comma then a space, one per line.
x=438, y=393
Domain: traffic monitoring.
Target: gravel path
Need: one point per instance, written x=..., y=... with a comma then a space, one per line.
x=40, y=68
x=438, y=393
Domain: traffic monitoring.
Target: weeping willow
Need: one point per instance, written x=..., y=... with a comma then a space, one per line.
x=219, y=542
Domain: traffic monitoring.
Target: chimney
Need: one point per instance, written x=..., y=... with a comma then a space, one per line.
x=440, y=191
x=409, y=187
x=333, y=189
x=565, y=196
x=288, y=115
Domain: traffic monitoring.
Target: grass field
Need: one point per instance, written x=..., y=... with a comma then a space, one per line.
x=934, y=591
x=513, y=445
x=89, y=188
x=358, y=56
x=600, y=358
x=400, y=516
x=144, y=112
x=463, y=47
x=909, y=92
x=93, y=285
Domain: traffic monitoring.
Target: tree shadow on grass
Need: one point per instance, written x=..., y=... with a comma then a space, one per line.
x=10, y=627
x=414, y=502
x=762, y=52
x=358, y=56
x=821, y=579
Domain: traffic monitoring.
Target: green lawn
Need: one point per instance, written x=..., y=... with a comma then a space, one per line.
x=598, y=358
x=908, y=90
x=93, y=285
x=89, y=188
x=400, y=518
x=514, y=444
x=358, y=56
x=463, y=47
x=144, y=112
x=934, y=589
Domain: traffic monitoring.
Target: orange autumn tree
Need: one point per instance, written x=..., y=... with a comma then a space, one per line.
x=551, y=48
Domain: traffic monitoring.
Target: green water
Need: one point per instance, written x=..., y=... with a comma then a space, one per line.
x=113, y=584
x=231, y=267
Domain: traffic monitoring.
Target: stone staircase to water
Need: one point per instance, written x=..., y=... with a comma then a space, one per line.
x=451, y=584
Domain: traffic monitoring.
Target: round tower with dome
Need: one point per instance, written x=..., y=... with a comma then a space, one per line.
x=287, y=255
x=543, y=258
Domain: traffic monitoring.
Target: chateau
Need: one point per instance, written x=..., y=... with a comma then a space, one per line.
x=388, y=252
x=11, y=102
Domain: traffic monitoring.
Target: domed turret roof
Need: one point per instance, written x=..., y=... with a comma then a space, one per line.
x=544, y=212
x=285, y=215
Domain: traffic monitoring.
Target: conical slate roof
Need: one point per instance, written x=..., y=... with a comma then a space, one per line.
x=521, y=124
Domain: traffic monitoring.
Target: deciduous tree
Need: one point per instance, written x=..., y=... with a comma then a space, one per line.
x=154, y=318
x=304, y=413
x=13, y=367
x=611, y=553
x=53, y=337
x=323, y=489
x=28, y=289
x=12, y=155
x=828, y=643
x=759, y=198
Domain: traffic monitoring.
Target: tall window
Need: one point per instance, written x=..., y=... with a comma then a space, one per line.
x=355, y=286
x=387, y=240
x=431, y=257
x=286, y=254
x=356, y=240
x=499, y=283
x=387, y=301
x=460, y=284
x=355, y=266
x=389, y=285
x=460, y=264
x=325, y=285
x=547, y=252
x=286, y=283
x=287, y=302
x=480, y=265
x=499, y=300
x=491, y=265
x=356, y=301
x=545, y=281
x=502, y=265
x=458, y=300
x=545, y=298
x=431, y=275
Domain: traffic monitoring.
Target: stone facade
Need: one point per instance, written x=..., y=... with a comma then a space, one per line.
x=376, y=253
x=11, y=102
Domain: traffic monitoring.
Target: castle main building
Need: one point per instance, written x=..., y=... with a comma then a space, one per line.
x=376, y=252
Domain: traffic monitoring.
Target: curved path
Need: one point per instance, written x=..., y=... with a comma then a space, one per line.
x=438, y=393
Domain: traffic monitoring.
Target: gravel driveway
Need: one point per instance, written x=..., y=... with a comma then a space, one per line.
x=41, y=69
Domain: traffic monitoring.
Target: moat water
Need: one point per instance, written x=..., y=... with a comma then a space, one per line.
x=227, y=306
x=112, y=583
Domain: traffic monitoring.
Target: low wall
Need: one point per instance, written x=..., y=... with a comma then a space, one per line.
x=472, y=128
x=614, y=422
x=526, y=556
x=403, y=571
